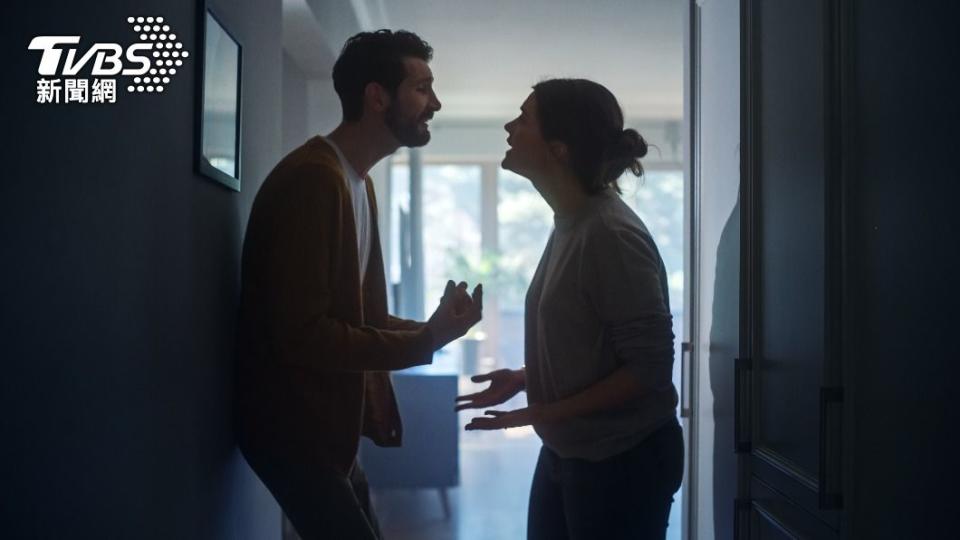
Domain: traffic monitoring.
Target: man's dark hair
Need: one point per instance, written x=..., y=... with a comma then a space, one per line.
x=374, y=57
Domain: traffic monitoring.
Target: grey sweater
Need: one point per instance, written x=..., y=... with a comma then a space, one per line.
x=599, y=302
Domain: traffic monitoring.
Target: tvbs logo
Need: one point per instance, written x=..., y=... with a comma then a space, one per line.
x=151, y=63
x=108, y=57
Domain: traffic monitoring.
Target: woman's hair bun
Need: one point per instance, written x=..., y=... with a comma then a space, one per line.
x=631, y=144
x=623, y=154
x=586, y=117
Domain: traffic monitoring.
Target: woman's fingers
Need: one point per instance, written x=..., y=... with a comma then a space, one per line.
x=483, y=377
x=484, y=423
x=475, y=400
x=470, y=396
x=488, y=376
x=478, y=400
x=474, y=404
x=501, y=419
x=492, y=395
x=496, y=420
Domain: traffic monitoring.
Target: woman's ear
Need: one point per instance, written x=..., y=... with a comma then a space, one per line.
x=559, y=151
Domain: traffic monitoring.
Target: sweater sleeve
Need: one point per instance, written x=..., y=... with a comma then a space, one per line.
x=304, y=247
x=622, y=280
x=397, y=323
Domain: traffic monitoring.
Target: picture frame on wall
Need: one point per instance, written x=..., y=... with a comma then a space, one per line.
x=218, y=110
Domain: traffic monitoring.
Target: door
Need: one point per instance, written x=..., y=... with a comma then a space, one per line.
x=788, y=391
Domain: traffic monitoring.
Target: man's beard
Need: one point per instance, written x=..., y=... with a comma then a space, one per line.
x=406, y=132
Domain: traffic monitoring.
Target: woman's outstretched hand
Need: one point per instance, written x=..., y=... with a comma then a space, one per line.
x=506, y=419
x=504, y=384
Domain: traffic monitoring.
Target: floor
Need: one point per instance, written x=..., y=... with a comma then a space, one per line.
x=496, y=468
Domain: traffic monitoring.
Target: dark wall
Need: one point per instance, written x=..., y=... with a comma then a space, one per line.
x=904, y=261
x=119, y=287
x=295, y=129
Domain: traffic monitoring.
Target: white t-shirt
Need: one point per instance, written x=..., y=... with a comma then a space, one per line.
x=361, y=208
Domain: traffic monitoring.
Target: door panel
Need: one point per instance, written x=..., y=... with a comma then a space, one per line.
x=787, y=264
x=789, y=334
x=774, y=516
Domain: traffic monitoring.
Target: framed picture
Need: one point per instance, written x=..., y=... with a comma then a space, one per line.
x=218, y=101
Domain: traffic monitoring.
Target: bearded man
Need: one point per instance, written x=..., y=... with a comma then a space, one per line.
x=315, y=341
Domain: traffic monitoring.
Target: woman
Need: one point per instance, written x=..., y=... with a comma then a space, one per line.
x=599, y=339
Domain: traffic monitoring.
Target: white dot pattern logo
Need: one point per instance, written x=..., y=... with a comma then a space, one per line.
x=160, y=36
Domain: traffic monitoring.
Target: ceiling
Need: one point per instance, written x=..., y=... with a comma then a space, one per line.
x=488, y=53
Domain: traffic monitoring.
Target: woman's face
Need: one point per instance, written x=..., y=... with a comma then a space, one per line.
x=529, y=154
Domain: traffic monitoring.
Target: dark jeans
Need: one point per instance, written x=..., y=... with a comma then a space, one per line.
x=627, y=496
x=320, y=502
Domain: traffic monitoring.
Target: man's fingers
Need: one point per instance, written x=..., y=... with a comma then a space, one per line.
x=478, y=297
x=462, y=285
x=474, y=312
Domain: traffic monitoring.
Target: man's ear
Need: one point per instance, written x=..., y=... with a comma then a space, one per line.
x=376, y=97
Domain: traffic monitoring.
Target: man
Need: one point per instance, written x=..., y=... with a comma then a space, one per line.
x=315, y=340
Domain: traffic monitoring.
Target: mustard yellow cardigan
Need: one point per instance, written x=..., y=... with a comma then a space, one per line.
x=314, y=343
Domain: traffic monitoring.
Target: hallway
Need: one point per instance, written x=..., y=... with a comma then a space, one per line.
x=806, y=148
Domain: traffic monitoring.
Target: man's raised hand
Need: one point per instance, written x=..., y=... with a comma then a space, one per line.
x=456, y=313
